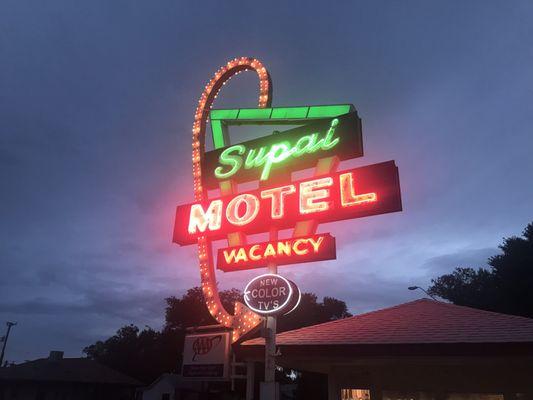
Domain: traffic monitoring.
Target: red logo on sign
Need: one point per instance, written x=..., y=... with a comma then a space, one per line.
x=203, y=345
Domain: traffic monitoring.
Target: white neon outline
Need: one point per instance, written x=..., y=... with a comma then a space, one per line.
x=265, y=194
x=239, y=221
x=299, y=299
x=315, y=186
x=252, y=256
x=280, y=308
x=356, y=198
x=299, y=252
x=212, y=217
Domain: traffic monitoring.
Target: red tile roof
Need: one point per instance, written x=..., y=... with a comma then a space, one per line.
x=416, y=322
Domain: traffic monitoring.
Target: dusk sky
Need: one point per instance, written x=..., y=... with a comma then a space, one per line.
x=96, y=108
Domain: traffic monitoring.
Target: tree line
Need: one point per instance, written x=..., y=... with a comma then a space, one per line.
x=506, y=286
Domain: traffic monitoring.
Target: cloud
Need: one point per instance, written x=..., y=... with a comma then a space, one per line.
x=474, y=258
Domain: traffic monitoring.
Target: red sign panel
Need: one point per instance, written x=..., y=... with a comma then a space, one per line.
x=282, y=252
x=355, y=193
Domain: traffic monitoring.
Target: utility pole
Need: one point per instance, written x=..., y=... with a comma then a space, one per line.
x=9, y=325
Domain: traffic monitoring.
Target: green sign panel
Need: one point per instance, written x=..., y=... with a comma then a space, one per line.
x=323, y=131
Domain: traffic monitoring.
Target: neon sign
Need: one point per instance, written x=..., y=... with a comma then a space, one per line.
x=233, y=156
x=323, y=131
x=355, y=193
x=271, y=294
x=324, y=136
x=282, y=252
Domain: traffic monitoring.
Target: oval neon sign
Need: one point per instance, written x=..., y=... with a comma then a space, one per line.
x=270, y=294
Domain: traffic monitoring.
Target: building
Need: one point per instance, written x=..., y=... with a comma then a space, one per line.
x=163, y=388
x=171, y=387
x=421, y=350
x=61, y=378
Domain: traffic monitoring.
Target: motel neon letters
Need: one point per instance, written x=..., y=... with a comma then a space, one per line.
x=242, y=209
x=354, y=193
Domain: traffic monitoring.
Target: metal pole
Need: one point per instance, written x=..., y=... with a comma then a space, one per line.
x=422, y=289
x=269, y=391
x=250, y=373
x=9, y=325
x=426, y=292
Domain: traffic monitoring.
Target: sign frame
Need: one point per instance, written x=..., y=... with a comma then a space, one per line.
x=381, y=179
x=326, y=251
x=289, y=302
x=225, y=343
x=312, y=120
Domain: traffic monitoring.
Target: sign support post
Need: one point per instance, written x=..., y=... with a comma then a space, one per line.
x=269, y=390
x=250, y=373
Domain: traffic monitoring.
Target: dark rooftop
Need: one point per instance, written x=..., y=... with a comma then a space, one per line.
x=58, y=369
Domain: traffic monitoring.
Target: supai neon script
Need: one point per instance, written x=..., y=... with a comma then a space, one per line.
x=237, y=156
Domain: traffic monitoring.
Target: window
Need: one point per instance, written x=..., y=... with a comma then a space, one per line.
x=355, y=394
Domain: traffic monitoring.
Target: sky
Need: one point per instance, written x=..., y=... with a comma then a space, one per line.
x=96, y=108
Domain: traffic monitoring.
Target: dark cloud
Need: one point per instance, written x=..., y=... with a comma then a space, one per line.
x=97, y=103
x=474, y=258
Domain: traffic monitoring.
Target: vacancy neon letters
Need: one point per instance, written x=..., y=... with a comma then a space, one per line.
x=354, y=193
x=300, y=247
x=283, y=252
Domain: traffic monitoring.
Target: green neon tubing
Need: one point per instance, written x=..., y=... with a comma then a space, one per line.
x=278, y=152
x=254, y=160
x=285, y=115
x=234, y=161
x=218, y=133
x=328, y=111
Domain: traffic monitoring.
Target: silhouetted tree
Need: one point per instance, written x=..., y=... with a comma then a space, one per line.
x=505, y=287
x=146, y=354
x=143, y=355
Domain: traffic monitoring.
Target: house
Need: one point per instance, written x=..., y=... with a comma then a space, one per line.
x=172, y=387
x=163, y=388
x=421, y=350
x=61, y=378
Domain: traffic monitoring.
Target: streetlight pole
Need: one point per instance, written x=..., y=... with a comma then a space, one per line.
x=422, y=289
x=9, y=325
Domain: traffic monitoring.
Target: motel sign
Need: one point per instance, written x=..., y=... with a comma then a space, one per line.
x=325, y=135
